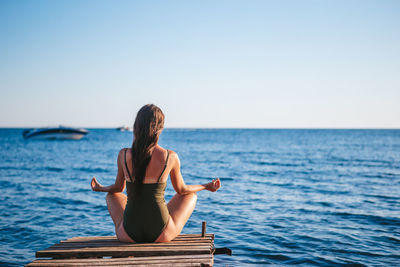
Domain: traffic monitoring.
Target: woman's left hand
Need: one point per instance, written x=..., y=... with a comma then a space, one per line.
x=214, y=185
x=96, y=186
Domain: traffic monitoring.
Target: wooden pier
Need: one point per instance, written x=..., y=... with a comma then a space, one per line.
x=184, y=250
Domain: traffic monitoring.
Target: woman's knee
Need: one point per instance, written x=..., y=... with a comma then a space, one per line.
x=192, y=197
x=111, y=196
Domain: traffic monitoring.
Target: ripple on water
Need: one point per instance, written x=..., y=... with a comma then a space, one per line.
x=310, y=197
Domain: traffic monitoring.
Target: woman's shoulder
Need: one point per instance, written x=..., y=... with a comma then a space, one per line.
x=124, y=152
x=169, y=152
x=172, y=153
x=173, y=156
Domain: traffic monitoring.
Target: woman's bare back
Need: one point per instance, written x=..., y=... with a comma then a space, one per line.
x=155, y=168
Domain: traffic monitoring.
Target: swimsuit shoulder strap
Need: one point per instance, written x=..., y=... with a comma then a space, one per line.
x=165, y=166
x=126, y=166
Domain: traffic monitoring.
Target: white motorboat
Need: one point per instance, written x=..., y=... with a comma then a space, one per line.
x=125, y=129
x=60, y=132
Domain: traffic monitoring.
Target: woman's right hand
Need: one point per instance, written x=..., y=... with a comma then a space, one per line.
x=214, y=185
x=96, y=186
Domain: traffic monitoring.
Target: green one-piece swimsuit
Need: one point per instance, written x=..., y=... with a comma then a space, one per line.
x=146, y=214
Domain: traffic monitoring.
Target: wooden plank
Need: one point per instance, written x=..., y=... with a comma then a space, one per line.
x=128, y=243
x=88, y=249
x=111, y=244
x=200, y=256
x=57, y=246
x=180, y=242
x=87, y=239
x=105, y=262
x=172, y=248
x=119, y=252
x=117, y=243
x=195, y=260
x=168, y=263
x=132, y=248
x=126, y=263
x=200, y=247
x=95, y=238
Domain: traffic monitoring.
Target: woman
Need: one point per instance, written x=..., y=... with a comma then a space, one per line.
x=143, y=216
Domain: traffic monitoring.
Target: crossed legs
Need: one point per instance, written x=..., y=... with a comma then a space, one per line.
x=116, y=203
x=180, y=208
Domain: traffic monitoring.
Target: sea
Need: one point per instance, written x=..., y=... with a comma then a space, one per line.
x=311, y=197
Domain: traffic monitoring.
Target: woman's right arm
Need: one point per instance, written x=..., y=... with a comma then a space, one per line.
x=119, y=184
x=179, y=184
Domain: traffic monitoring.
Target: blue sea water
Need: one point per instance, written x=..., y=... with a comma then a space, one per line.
x=311, y=197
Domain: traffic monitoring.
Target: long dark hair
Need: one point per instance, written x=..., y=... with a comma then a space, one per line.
x=147, y=129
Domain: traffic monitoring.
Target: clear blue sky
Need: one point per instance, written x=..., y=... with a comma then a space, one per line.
x=269, y=64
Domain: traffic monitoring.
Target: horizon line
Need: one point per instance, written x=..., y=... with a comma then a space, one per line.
x=229, y=128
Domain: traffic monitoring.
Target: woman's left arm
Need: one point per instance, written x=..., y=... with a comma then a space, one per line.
x=119, y=184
